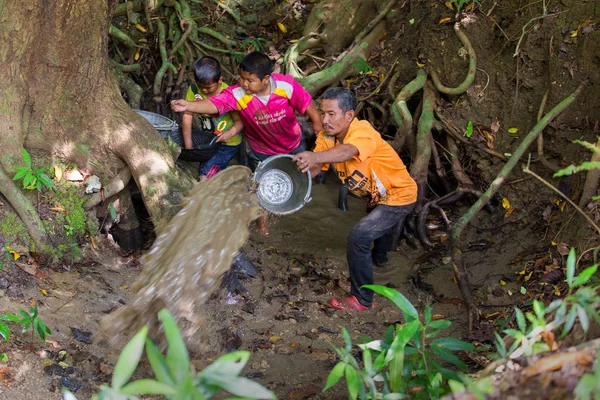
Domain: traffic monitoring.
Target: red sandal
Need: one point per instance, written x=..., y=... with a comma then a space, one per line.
x=349, y=304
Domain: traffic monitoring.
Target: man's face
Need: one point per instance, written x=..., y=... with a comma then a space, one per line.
x=335, y=121
x=252, y=84
x=211, y=89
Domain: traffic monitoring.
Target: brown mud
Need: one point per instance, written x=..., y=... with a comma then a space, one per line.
x=285, y=319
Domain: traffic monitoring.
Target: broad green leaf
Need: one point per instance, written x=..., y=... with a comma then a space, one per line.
x=229, y=364
x=129, y=359
x=469, y=130
x=21, y=172
x=439, y=324
x=561, y=312
x=571, y=267
x=241, y=386
x=404, y=335
x=586, y=386
x=353, y=382
x=592, y=312
x=379, y=361
x=456, y=386
x=347, y=340
x=112, y=211
x=177, y=356
x=46, y=181
x=28, y=180
x=521, y=320
x=585, y=275
x=368, y=362
x=26, y=158
x=148, y=386
x=3, y=357
x=9, y=317
x=38, y=185
x=334, y=376
x=33, y=312
x=4, y=331
x=500, y=345
x=427, y=314
x=158, y=363
x=538, y=309
x=447, y=355
x=584, y=319
x=570, y=321
x=453, y=344
x=409, y=311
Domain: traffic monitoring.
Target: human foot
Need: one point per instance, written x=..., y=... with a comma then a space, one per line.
x=349, y=304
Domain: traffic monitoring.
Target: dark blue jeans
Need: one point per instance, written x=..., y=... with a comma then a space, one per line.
x=375, y=228
x=219, y=160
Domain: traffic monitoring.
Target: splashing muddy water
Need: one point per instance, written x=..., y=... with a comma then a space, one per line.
x=187, y=260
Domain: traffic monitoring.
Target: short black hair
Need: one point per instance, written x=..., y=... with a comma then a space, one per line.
x=257, y=63
x=207, y=70
x=345, y=98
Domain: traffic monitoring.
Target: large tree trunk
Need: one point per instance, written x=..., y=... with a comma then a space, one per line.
x=58, y=98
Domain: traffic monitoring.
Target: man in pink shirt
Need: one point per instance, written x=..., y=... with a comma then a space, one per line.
x=267, y=104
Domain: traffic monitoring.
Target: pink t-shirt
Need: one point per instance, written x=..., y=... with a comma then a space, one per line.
x=270, y=128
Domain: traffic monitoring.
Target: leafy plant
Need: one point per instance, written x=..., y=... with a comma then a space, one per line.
x=408, y=361
x=533, y=334
x=69, y=230
x=33, y=178
x=174, y=377
x=584, y=166
x=460, y=4
x=362, y=66
x=589, y=384
x=26, y=320
x=253, y=43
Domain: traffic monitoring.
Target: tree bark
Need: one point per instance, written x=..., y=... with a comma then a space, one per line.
x=59, y=97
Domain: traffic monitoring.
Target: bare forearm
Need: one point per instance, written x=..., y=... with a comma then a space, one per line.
x=340, y=153
x=315, y=118
x=186, y=130
x=202, y=107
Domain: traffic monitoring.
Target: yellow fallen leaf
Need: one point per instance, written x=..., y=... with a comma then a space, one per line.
x=505, y=203
x=444, y=20
x=281, y=27
x=294, y=41
x=420, y=65
x=502, y=282
x=449, y=5
x=142, y=40
x=562, y=206
x=15, y=255
x=44, y=292
x=58, y=172
x=513, y=130
x=528, y=277
x=275, y=338
x=574, y=33
x=137, y=55
x=140, y=28
x=210, y=359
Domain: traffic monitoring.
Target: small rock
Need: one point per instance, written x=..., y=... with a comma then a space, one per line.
x=319, y=355
x=73, y=175
x=93, y=184
x=106, y=369
x=3, y=283
x=70, y=384
x=82, y=336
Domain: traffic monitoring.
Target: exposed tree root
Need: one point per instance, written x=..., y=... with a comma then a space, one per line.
x=591, y=181
x=458, y=264
x=117, y=184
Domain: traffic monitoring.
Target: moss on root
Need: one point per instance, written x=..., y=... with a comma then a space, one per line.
x=13, y=230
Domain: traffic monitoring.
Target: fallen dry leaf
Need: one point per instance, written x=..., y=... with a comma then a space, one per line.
x=556, y=361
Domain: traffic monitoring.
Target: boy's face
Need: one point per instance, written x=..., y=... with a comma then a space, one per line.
x=211, y=89
x=252, y=84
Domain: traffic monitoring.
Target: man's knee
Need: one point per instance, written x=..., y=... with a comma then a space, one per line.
x=359, y=237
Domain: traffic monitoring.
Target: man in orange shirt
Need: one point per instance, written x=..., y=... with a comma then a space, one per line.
x=371, y=168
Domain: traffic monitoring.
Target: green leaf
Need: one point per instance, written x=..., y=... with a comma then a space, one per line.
x=585, y=275
x=9, y=317
x=570, y=267
x=4, y=331
x=335, y=375
x=229, y=364
x=404, y=335
x=409, y=311
x=46, y=181
x=241, y=386
x=178, y=358
x=112, y=211
x=38, y=185
x=158, y=363
x=353, y=382
x=588, y=145
x=447, y=355
x=28, y=180
x=427, y=314
x=538, y=309
x=129, y=359
x=453, y=344
x=521, y=320
x=570, y=321
x=586, y=386
x=26, y=158
x=439, y=324
x=21, y=172
x=572, y=169
x=469, y=130
x=584, y=319
x=347, y=339
x=148, y=386
x=3, y=357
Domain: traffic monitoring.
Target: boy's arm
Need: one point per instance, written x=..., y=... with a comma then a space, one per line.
x=204, y=106
x=235, y=129
x=313, y=114
x=186, y=130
